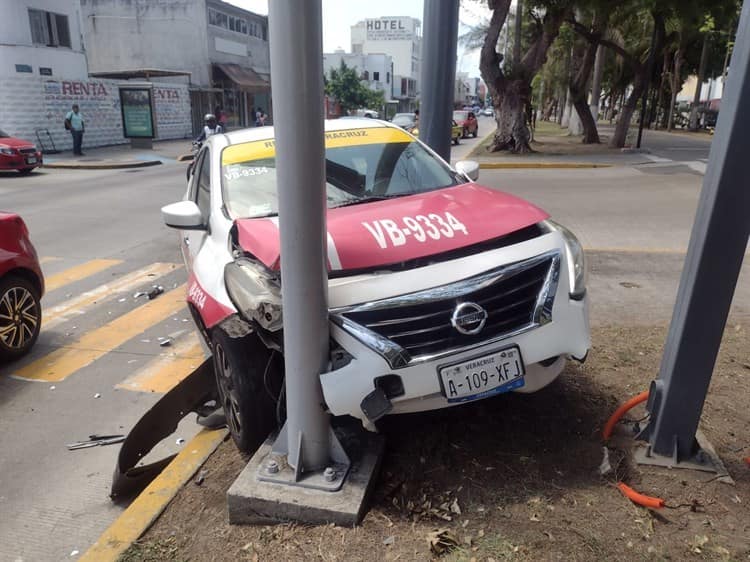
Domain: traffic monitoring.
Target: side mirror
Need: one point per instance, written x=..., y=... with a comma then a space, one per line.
x=469, y=168
x=184, y=215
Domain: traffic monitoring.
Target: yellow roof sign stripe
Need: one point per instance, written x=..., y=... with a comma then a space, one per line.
x=333, y=139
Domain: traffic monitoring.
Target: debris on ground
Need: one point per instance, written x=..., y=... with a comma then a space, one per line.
x=155, y=292
x=96, y=441
x=605, y=467
x=442, y=541
x=180, y=441
x=165, y=342
x=388, y=541
x=201, y=478
x=97, y=395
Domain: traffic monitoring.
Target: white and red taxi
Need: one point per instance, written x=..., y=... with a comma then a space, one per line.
x=441, y=291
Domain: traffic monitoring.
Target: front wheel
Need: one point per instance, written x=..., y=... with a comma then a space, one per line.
x=455, y=141
x=20, y=317
x=248, y=379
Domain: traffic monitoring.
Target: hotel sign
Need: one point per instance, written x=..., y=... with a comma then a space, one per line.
x=389, y=29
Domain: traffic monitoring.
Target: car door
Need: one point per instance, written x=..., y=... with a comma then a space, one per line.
x=200, y=193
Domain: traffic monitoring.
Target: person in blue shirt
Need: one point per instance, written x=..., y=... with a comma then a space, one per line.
x=74, y=123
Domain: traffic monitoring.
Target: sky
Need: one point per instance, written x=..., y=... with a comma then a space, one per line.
x=339, y=15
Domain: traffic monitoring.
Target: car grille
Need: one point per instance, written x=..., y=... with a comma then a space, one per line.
x=516, y=297
x=27, y=150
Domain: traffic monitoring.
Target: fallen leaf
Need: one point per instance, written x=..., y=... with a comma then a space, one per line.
x=455, y=508
x=441, y=541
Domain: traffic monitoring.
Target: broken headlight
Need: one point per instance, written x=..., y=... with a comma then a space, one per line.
x=255, y=292
x=575, y=259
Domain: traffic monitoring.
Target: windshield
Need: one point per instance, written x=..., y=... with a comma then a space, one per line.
x=401, y=119
x=460, y=115
x=4, y=135
x=361, y=165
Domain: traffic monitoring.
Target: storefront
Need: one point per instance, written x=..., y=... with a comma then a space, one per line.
x=244, y=91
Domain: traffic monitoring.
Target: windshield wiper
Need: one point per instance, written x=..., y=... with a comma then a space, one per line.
x=368, y=199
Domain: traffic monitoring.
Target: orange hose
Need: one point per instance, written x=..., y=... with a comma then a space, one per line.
x=612, y=421
x=640, y=499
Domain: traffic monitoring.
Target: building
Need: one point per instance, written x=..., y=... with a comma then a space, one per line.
x=43, y=72
x=218, y=50
x=401, y=39
x=375, y=69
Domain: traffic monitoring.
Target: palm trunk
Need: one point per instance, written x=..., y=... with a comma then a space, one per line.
x=662, y=90
x=626, y=115
x=675, y=85
x=578, y=92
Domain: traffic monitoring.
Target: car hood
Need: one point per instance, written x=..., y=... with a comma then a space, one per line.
x=383, y=233
x=15, y=143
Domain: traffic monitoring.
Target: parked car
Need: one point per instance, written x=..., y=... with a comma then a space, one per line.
x=488, y=111
x=18, y=154
x=21, y=288
x=441, y=291
x=456, y=132
x=405, y=120
x=468, y=121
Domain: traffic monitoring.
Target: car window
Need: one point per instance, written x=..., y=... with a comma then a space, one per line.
x=460, y=115
x=193, y=180
x=361, y=164
x=204, y=186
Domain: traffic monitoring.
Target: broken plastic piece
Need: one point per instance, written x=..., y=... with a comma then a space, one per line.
x=165, y=342
x=155, y=292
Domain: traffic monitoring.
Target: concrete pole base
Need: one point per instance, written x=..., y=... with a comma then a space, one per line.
x=252, y=501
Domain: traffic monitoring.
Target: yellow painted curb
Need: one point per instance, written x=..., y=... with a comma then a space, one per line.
x=144, y=510
x=540, y=165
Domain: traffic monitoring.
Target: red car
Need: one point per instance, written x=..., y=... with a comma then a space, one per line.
x=468, y=121
x=21, y=288
x=18, y=154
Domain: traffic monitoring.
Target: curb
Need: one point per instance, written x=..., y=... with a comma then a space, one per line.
x=104, y=165
x=150, y=503
x=541, y=165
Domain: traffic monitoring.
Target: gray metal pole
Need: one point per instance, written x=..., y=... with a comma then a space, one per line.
x=717, y=246
x=296, y=46
x=439, y=41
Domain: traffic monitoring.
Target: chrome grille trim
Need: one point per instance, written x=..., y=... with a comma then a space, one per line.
x=402, y=355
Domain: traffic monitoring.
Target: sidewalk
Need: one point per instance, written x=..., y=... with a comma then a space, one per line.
x=120, y=156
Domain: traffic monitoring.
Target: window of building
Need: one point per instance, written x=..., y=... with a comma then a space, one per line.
x=48, y=28
x=387, y=77
x=376, y=76
x=366, y=75
x=232, y=23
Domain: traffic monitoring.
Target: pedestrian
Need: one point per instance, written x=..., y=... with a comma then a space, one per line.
x=74, y=123
x=260, y=117
x=221, y=116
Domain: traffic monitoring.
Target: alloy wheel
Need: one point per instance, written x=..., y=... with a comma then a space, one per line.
x=227, y=391
x=19, y=318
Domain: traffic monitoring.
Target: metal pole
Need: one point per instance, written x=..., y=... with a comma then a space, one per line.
x=296, y=47
x=646, y=87
x=439, y=41
x=712, y=266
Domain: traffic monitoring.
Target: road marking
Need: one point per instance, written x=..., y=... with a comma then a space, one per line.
x=162, y=373
x=76, y=306
x=48, y=259
x=149, y=504
x=63, y=362
x=77, y=273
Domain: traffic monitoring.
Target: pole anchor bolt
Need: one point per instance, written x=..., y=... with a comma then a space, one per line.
x=272, y=467
x=329, y=474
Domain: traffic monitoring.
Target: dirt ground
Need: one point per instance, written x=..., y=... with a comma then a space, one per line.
x=512, y=478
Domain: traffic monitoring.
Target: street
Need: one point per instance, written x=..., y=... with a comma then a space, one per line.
x=98, y=364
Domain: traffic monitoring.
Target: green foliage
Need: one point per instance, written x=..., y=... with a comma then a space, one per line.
x=345, y=85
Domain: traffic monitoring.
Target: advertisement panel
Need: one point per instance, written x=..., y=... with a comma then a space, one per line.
x=136, y=104
x=390, y=29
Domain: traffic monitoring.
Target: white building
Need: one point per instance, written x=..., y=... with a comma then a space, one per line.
x=401, y=39
x=41, y=38
x=44, y=71
x=376, y=69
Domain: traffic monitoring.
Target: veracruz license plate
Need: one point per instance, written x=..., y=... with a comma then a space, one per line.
x=483, y=376
x=31, y=160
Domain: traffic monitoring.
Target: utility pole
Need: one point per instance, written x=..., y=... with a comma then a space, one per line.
x=717, y=246
x=439, y=41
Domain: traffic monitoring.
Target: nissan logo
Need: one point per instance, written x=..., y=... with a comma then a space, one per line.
x=468, y=318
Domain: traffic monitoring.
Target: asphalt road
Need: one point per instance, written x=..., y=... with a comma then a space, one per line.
x=101, y=240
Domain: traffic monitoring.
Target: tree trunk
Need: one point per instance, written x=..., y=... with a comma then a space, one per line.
x=675, y=84
x=578, y=83
x=596, y=85
x=662, y=90
x=561, y=107
x=512, y=133
x=626, y=115
x=701, y=77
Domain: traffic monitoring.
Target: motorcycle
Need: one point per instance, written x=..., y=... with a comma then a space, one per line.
x=194, y=150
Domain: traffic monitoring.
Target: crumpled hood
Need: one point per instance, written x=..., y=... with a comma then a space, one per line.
x=402, y=229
